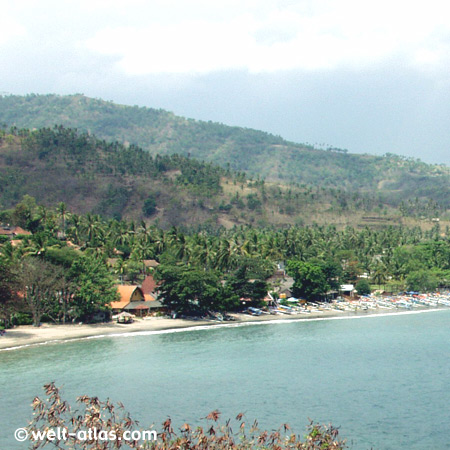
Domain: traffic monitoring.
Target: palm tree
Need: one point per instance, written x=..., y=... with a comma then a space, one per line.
x=140, y=252
x=227, y=254
x=379, y=273
x=9, y=253
x=120, y=268
x=36, y=246
x=75, y=229
x=93, y=229
x=62, y=212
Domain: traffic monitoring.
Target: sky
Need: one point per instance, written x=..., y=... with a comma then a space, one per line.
x=366, y=76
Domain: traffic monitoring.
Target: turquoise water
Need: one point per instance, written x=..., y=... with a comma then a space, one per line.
x=384, y=380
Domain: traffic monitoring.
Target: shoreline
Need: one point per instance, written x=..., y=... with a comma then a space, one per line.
x=26, y=335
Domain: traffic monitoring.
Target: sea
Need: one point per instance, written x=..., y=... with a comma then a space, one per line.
x=383, y=379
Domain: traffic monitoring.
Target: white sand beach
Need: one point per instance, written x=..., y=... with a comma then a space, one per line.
x=27, y=335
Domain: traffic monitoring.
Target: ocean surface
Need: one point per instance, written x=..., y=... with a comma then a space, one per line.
x=384, y=380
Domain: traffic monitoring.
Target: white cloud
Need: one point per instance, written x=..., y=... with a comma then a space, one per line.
x=9, y=27
x=265, y=36
x=200, y=36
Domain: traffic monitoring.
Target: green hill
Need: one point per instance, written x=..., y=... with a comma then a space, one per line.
x=90, y=175
x=241, y=149
x=302, y=184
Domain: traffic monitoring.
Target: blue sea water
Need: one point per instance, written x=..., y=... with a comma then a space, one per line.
x=384, y=380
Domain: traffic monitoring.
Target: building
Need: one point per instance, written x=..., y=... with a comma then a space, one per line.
x=347, y=290
x=127, y=295
x=151, y=263
x=12, y=232
x=150, y=288
x=133, y=300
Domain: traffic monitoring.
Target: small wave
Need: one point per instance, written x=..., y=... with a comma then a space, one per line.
x=214, y=326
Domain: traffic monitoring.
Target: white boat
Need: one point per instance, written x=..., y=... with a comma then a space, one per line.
x=285, y=309
x=254, y=311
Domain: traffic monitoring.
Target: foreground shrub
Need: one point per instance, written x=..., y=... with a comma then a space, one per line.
x=55, y=415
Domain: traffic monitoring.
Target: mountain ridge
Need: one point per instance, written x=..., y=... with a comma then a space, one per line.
x=302, y=184
x=162, y=132
x=95, y=176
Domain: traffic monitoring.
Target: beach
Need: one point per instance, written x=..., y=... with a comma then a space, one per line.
x=28, y=335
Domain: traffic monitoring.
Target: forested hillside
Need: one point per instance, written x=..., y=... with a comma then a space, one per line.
x=255, y=152
x=107, y=178
x=61, y=164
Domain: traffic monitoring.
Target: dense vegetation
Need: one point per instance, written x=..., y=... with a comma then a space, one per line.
x=67, y=268
x=104, y=178
x=397, y=180
x=113, y=180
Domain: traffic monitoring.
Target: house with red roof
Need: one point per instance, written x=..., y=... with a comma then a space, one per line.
x=133, y=300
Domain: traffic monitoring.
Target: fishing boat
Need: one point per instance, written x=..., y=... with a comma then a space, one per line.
x=254, y=311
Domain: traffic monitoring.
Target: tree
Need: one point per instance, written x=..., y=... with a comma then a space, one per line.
x=310, y=280
x=133, y=270
x=332, y=270
x=190, y=290
x=23, y=212
x=37, y=280
x=422, y=280
x=8, y=291
x=62, y=209
x=240, y=284
x=149, y=207
x=95, y=288
x=66, y=290
x=363, y=287
x=253, y=202
x=379, y=273
x=62, y=256
x=352, y=267
x=93, y=229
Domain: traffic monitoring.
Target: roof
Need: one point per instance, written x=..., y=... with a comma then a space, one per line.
x=149, y=298
x=149, y=285
x=276, y=276
x=156, y=304
x=151, y=263
x=19, y=230
x=119, y=304
x=347, y=287
x=13, y=231
x=72, y=245
x=286, y=291
x=137, y=305
x=125, y=293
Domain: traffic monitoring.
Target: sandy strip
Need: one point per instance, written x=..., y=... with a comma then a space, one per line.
x=26, y=335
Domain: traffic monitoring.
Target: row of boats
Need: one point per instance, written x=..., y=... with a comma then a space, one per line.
x=366, y=303
x=402, y=301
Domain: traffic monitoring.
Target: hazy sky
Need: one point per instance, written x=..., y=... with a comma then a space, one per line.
x=369, y=76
